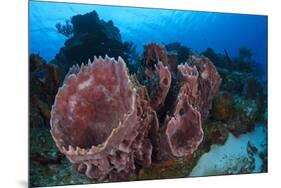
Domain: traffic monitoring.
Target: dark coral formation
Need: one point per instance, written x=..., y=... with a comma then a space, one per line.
x=109, y=125
x=87, y=35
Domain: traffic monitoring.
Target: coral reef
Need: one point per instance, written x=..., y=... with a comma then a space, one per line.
x=106, y=122
x=144, y=117
x=242, y=100
x=162, y=129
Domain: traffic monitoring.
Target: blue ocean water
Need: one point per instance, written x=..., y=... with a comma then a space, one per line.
x=197, y=30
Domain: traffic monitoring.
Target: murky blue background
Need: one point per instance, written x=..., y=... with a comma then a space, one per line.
x=198, y=30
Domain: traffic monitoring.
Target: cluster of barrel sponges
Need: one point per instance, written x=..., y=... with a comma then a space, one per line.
x=108, y=124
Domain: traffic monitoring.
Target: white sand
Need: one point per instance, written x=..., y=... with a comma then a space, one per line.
x=231, y=157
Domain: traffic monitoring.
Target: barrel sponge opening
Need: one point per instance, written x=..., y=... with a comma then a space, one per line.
x=92, y=103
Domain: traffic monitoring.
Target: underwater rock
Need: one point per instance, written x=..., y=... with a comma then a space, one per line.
x=96, y=121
